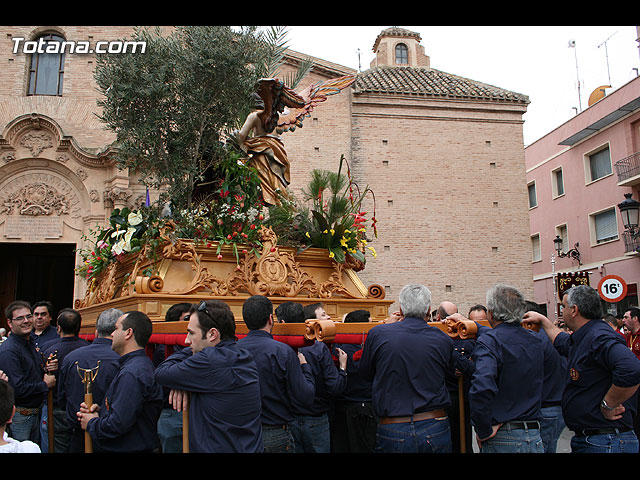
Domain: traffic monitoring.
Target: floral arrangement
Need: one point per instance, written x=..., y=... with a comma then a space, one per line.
x=232, y=213
x=338, y=221
x=124, y=235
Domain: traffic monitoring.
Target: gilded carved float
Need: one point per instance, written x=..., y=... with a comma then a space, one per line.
x=184, y=271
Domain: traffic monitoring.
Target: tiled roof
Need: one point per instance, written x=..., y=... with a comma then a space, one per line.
x=430, y=82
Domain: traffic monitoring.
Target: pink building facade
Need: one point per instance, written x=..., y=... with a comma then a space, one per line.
x=577, y=175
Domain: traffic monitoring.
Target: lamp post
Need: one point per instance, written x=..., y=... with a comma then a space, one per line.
x=629, y=210
x=574, y=253
x=555, y=288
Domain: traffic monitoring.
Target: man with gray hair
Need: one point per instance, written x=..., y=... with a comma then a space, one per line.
x=506, y=387
x=600, y=397
x=407, y=361
x=98, y=355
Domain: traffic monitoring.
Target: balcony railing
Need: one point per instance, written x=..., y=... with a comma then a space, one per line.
x=631, y=242
x=628, y=167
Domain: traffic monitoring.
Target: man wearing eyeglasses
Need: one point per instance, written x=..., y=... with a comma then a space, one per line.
x=26, y=371
x=222, y=381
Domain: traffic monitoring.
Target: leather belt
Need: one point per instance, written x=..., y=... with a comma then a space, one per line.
x=416, y=417
x=585, y=432
x=523, y=425
x=275, y=427
x=27, y=411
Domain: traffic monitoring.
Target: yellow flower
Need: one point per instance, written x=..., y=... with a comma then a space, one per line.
x=364, y=242
x=362, y=229
x=325, y=231
x=347, y=231
x=332, y=231
x=307, y=234
x=331, y=254
x=373, y=252
x=343, y=242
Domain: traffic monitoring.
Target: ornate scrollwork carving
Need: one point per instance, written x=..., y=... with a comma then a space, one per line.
x=36, y=142
x=36, y=198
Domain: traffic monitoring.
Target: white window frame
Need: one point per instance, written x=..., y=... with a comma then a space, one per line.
x=565, y=238
x=535, y=188
x=535, y=258
x=587, y=164
x=592, y=226
x=554, y=183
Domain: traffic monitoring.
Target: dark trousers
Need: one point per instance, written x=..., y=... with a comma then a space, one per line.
x=353, y=428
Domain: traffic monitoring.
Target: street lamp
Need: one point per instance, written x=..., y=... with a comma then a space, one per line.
x=629, y=209
x=573, y=253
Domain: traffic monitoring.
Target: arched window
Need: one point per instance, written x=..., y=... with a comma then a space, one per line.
x=46, y=69
x=402, y=54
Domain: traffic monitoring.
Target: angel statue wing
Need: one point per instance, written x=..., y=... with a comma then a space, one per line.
x=312, y=95
x=275, y=96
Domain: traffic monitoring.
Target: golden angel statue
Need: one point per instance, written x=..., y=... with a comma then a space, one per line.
x=259, y=136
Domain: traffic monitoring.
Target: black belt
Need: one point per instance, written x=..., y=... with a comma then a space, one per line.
x=523, y=425
x=585, y=432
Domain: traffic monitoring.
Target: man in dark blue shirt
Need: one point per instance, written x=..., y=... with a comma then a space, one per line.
x=128, y=417
x=68, y=326
x=600, y=397
x=44, y=329
x=26, y=371
x=284, y=377
x=506, y=387
x=310, y=427
x=221, y=380
x=98, y=357
x=407, y=362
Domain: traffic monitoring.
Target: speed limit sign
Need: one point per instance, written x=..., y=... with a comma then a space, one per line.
x=612, y=288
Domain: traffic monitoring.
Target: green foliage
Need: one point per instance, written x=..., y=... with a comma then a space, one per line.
x=172, y=106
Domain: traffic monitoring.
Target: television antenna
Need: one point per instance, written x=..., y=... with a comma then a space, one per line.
x=606, y=52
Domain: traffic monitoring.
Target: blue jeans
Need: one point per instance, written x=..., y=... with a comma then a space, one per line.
x=551, y=427
x=514, y=440
x=170, y=430
x=311, y=434
x=277, y=439
x=25, y=427
x=625, y=442
x=424, y=436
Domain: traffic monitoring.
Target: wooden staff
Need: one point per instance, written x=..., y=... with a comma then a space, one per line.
x=50, y=419
x=50, y=432
x=88, y=375
x=463, y=433
x=185, y=424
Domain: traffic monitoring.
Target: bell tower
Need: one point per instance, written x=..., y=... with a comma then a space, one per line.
x=399, y=47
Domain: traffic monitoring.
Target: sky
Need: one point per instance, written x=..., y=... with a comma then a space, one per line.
x=532, y=60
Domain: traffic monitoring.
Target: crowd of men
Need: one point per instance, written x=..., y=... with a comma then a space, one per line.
x=408, y=388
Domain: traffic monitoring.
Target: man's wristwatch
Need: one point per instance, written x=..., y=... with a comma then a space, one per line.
x=603, y=404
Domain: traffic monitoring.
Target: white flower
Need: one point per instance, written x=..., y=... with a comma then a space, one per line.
x=118, y=247
x=129, y=235
x=117, y=233
x=134, y=218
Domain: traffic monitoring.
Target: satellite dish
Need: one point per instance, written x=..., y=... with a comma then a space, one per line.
x=598, y=94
